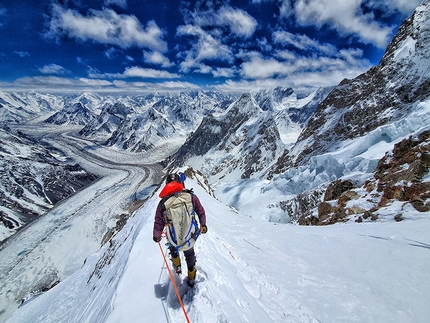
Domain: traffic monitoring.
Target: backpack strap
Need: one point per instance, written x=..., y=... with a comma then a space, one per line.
x=171, y=234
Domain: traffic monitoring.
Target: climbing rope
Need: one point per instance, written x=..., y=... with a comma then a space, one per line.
x=174, y=284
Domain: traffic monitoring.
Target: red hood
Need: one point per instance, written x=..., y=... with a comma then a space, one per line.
x=171, y=188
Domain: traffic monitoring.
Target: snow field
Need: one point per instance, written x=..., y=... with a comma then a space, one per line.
x=251, y=270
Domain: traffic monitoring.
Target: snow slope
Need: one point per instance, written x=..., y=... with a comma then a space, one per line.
x=251, y=270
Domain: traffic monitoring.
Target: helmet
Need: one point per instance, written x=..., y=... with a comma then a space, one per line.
x=173, y=178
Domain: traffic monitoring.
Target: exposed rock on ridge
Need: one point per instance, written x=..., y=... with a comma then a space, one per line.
x=398, y=177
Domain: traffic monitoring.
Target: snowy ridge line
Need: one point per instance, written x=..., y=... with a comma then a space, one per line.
x=339, y=273
x=60, y=224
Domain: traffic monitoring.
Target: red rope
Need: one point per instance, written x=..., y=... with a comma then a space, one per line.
x=174, y=284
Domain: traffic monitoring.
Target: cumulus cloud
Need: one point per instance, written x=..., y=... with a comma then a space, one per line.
x=206, y=47
x=156, y=58
x=208, y=31
x=406, y=7
x=224, y=72
x=302, y=42
x=347, y=62
x=238, y=21
x=106, y=27
x=135, y=71
x=53, y=69
x=346, y=17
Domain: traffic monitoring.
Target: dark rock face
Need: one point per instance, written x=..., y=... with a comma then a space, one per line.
x=398, y=177
x=302, y=205
x=336, y=188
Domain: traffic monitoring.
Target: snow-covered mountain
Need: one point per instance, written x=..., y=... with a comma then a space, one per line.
x=386, y=94
x=146, y=122
x=110, y=118
x=250, y=136
x=79, y=110
x=33, y=179
x=359, y=156
x=18, y=107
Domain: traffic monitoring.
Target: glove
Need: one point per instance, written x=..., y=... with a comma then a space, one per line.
x=203, y=229
x=156, y=239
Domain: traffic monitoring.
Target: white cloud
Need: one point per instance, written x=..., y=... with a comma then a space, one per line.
x=346, y=64
x=106, y=27
x=93, y=82
x=44, y=81
x=57, y=84
x=156, y=58
x=111, y=52
x=134, y=71
x=137, y=71
x=302, y=82
x=206, y=47
x=346, y=17
x=22, y=53
x=53, y=84
x=119, y=3
x=302, y=42
x=258, y=68
x=170, y=86
x=406, y=7
x=238, y=21
x=53, y=69
x=224, y=72
x=264, y=44
x=203, y=68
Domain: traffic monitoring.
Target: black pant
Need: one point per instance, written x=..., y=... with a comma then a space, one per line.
x=189, y=254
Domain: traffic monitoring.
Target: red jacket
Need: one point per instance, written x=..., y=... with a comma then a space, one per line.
x=172, y=188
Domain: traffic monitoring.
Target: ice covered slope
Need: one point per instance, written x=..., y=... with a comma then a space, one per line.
x=251, y=271
x=17, y=107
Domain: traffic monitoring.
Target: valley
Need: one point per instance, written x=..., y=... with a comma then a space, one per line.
x=54, y=246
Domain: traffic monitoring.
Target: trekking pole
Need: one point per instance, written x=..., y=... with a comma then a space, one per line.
x=174, y=284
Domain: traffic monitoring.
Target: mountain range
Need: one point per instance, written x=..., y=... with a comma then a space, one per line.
x=357, y=152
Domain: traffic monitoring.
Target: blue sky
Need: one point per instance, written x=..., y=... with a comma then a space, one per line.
x=131, y=46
